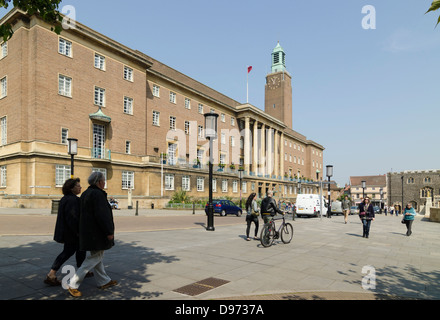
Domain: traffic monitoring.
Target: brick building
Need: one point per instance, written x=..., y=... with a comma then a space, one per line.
x=129, y=111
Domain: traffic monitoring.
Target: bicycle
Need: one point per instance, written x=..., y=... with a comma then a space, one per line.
x=269, y=232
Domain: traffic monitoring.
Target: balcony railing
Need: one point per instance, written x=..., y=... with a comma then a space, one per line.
x=102, y=154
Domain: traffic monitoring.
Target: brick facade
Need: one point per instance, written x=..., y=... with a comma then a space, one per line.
x=37, y=115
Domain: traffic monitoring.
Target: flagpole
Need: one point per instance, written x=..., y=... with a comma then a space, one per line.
x=247, y=85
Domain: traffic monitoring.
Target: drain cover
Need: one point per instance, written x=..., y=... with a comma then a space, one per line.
x=201, y=286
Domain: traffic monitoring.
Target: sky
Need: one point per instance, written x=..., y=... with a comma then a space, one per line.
x=369, y=96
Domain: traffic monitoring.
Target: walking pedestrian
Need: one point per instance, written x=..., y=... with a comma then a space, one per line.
x=252, y=215
x=96, y=234
x=66, y=230
x=366, y=214
x=408, y=218
x=346, y=205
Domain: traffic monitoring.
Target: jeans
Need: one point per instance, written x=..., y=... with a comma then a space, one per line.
x=69, y=250
x=408, y=226
x=93, y=261
x=249, y=220
x=366, y=226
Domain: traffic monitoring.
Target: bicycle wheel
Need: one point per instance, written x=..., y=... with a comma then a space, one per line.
x=267, y=235
x=287, y=233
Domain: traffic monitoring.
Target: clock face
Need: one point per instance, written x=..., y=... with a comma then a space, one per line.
x=274, y=83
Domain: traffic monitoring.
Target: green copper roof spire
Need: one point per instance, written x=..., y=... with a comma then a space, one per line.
x=278, y=59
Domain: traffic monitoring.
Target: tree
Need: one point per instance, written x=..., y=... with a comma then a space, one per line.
x=46, y=9
x=435, y=6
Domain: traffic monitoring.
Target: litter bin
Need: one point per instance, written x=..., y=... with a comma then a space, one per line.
x=55, y=206
x=152, y=205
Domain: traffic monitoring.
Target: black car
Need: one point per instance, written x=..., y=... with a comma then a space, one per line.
x=224, y=207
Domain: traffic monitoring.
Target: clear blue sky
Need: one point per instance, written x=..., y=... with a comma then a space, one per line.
x=370, y=97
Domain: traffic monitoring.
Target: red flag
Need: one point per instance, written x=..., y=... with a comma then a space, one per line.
x=249, y=69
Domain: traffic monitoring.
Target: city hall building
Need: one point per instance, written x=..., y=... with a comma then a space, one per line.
x=138, y=121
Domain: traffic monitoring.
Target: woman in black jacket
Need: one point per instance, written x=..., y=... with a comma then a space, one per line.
x=366, y=214
x=66, y=230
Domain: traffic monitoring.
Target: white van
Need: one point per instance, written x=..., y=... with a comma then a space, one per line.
x=337, y=208
x=310, y=205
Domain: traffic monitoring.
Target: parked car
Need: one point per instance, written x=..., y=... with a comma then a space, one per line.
x=376, y=209
x=224, y=207
x=354, y=210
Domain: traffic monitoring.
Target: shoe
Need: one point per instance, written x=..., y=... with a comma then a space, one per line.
x=74, y=292
x=108, y=285
x=256, y=238
x=53, y=282
x=248, y=239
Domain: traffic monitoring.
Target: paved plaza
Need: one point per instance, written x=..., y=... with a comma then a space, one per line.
x=327, y=259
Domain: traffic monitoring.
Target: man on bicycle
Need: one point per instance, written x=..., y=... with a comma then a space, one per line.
x=269, y=207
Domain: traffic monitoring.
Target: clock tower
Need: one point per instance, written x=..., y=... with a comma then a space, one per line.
x=278, y=90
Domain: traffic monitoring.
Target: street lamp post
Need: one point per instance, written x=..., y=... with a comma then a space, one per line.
x=240, y=174
x=210, y=134
x=381, y=197
x=73, y=151
x=329, y=175
x=364, y=185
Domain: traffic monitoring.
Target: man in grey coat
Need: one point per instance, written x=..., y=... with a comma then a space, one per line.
x=96, y=234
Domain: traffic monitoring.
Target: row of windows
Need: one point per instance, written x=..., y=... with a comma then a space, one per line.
x=200, y=185
x=65, y=89
x=62, y=173
x=412, y=180
x=201, y=107
x=65, y=48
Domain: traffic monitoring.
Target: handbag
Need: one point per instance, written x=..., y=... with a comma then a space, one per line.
x=362, y=214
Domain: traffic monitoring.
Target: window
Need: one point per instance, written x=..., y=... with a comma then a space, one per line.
x=233, y=121
x=200, y=184
x=235, y=186
x=427, y=180
x=99, y=96
x=223, y=117
x=127, y=147
x=222, y=159
x=62, y=173
x=65, y=47
x=224, y=185
x=104, y=172
x=244, y=187
x=99, y=62
x=214, y=185
x=156, y=118
x=200, y=108
x=172, y=97
x=186, y=184
x=3, y=50
x=169, y=182
x=98, y=151
x=128, y=73
x=65, y=86
x=3, y=175
x=3, y=87
x=4, y=131
x=232, y=141
x=187, y=103
x=186, y=127
x=223, y=138
x=172, y=123
x=156, y=91
x=172, y=154
x=200, y=155
x=200, y=131
x=127, y=180
x=64, y=135
x=128, y=105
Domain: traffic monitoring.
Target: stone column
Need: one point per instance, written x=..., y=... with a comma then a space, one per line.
x=263, y=150
x=282, y=154
x=255, y=148
x=269, y=152
x=276, y=155
x=247, y=148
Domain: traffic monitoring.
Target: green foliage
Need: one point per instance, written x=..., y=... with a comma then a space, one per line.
x=46, y=9
x=435, y=6
x=180, y=196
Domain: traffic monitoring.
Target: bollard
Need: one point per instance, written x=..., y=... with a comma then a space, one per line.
x=194, y=208
x=137, y=208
